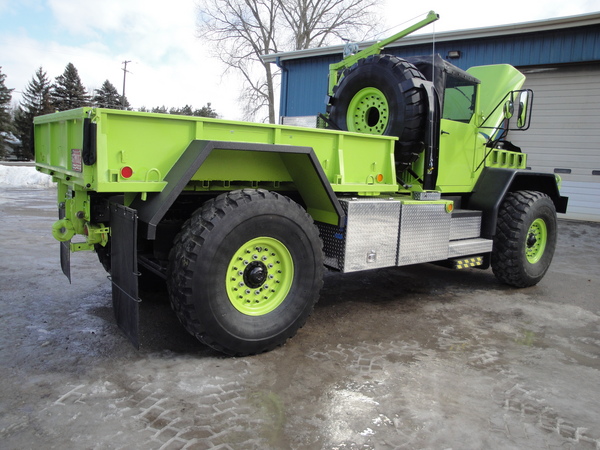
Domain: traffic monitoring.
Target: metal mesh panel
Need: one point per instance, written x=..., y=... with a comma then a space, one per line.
x=334, y=244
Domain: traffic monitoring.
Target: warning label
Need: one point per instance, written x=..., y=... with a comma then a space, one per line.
x=76, y=162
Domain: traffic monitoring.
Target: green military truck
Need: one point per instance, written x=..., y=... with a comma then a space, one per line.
x=412, y=165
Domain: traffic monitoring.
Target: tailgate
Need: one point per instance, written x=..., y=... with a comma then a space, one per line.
x=59, y=145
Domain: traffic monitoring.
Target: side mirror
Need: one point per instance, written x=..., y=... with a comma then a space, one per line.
x=523, y=100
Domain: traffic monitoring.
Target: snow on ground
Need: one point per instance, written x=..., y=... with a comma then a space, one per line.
x=23, y=177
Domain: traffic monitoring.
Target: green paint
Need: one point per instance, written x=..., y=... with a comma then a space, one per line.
x=259, y=276
x=368, y=112
x=136, y=151
x=154, y=142
x=535, y=244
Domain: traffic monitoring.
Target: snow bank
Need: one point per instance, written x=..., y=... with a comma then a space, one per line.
x=23, y=177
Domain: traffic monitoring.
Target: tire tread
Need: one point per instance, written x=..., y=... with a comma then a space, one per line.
x=185, y=250
x=508, y=255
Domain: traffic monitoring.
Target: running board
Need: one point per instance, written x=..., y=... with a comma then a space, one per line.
x=466, y=247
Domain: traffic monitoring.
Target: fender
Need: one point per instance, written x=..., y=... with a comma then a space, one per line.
x=493, y=185
x=301, y=163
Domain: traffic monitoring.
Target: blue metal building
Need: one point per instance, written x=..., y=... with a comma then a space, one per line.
x=561, y=59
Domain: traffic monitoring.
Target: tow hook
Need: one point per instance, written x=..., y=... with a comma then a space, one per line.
x=63, y=230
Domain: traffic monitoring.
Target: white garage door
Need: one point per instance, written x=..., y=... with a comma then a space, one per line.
x=564, y=137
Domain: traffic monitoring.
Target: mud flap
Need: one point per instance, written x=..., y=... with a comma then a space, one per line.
x=65, y=249
x=65, y=259
x=124, y=270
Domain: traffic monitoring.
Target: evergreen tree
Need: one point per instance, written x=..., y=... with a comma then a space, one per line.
x=108, y=97
x=160, y=109
x=36, y=101
x=206, y=111
x=6, y=127
x=68, y=91
x=185, y=111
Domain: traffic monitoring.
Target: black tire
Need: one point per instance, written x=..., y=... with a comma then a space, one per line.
x=525, y=238
x=374, y=97
x=203, y=273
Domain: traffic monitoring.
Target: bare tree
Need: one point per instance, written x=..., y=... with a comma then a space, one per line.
x=314, y=23
x=243, y=30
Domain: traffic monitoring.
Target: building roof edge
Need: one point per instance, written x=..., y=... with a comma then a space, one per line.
x=581, y=20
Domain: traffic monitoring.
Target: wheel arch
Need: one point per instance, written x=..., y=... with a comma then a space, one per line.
x=301, y=164
x=493, y=185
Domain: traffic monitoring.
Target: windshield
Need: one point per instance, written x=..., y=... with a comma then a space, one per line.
x=459, y=99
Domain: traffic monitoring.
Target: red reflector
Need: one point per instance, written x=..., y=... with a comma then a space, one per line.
x=126, y=172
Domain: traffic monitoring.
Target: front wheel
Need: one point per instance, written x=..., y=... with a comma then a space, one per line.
x=525, y=238
x=245, y=271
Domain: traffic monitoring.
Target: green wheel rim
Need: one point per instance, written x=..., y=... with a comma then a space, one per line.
x=368, y=112
x=537, y=237
x=259, y=276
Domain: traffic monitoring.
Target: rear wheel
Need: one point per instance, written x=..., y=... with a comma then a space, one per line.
x=525, y=238
x=245, y=272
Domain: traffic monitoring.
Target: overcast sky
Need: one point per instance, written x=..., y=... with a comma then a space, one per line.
x=169, y=65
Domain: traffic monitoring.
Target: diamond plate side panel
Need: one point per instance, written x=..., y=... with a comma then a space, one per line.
x=370, y=239
x=372, y=234
x=469, y=247
x=465, y=225
x=424, y=233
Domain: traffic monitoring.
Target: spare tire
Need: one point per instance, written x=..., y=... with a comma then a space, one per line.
x=375, y=96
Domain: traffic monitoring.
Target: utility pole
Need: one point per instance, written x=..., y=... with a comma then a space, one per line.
x=125, y=71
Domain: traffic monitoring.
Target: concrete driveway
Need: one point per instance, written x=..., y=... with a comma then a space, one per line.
x=413, y=357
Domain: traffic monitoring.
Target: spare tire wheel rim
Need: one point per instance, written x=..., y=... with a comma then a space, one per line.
x=368, y=112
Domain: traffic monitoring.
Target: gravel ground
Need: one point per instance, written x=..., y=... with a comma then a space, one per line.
x=412, y=357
